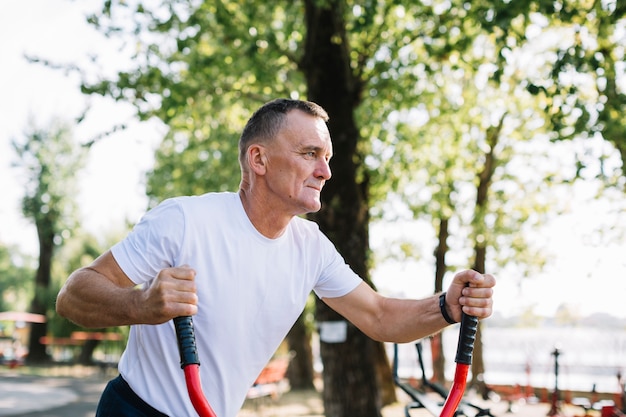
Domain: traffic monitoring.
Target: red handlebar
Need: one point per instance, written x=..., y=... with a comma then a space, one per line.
x=190, y=364
x=194, y=387
x=464, y=350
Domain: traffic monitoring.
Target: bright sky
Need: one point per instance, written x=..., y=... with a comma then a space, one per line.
x=587, y=272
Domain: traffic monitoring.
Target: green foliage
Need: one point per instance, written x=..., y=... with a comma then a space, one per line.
x=16, y=279
x=433, y=79
x=202, y=66
x=582, y=79
x=434, y=154
x=50, y=159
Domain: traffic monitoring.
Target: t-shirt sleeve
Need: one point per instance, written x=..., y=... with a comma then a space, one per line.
x=337, y=278
x=153, y=244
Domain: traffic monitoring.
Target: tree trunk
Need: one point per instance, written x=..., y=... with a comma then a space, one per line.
x=86, y=352
x=478, y=362
x=300, y=370
x=351, y=383
x=384, y=375
x=436, y=344
x=36, y=350
x=480, y=244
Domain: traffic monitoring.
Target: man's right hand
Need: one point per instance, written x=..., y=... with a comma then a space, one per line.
x=171, y=294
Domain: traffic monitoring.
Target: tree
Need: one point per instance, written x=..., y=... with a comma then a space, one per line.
x=479, y=132
x=344, y=216
x=50, y=160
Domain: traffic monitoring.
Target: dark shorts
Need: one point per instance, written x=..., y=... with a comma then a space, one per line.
x=119, y=400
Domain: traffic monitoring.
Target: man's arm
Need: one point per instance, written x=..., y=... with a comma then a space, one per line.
x=101, y=295
x=396, y=320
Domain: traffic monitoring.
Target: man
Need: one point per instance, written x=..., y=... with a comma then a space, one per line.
x=243, y=264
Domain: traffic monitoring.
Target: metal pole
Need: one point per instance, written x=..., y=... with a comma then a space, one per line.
x=555, y=406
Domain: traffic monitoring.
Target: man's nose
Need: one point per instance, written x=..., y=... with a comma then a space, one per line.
x=323, y=170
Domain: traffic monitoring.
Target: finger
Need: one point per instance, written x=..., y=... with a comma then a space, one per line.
x=479, y=306
x=468, y=277
x=182, y=296
x=488, y=280
x=480, y=312
x=185, y=293
x=184, y=272
x=477, y=292
x=175, y=285
x=176, y=309
x=180, y=303
x=476, y=301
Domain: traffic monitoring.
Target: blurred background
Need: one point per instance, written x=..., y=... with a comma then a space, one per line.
x=429, y=120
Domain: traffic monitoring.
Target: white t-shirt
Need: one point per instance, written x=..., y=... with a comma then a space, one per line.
x=251, y=291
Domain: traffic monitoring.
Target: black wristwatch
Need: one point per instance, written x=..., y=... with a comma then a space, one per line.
x=442, y=307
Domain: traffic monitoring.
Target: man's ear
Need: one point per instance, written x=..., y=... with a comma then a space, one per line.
x=257, y=159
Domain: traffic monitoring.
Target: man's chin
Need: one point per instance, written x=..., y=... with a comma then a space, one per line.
x=314, y=208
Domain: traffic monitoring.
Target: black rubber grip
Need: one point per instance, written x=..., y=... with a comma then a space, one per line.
x=467, y=336
x=186, y=341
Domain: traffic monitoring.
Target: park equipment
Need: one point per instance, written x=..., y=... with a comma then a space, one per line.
x=190, y=364
x=454, y=403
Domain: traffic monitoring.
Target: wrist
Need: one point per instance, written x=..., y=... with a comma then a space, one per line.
x=444, y=311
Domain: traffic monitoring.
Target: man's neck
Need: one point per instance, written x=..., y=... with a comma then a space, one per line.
x=265, y=220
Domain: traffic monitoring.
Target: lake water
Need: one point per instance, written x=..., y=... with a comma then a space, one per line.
x=588, y=357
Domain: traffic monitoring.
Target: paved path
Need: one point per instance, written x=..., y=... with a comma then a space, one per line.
x=34, y=396
x=77, y=396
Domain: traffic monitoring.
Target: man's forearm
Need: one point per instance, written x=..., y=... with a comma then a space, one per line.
x=389, y=319
x=91, y=300
x=405, y=321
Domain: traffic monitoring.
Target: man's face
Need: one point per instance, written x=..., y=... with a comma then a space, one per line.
x=297, y=165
